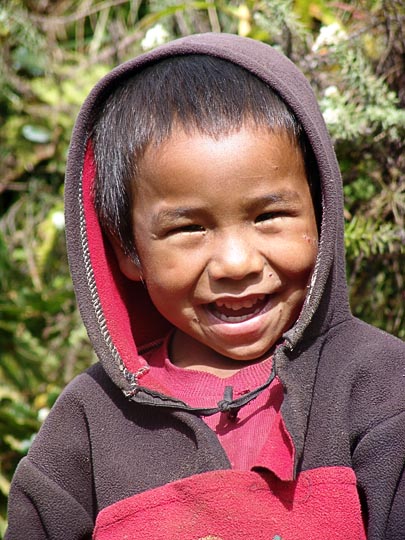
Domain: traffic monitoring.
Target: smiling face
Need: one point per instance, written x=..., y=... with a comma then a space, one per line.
x=226, y=234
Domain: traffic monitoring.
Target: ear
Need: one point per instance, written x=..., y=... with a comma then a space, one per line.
x=128, y=266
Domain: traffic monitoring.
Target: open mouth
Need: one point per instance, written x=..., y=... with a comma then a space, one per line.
x=238, y=310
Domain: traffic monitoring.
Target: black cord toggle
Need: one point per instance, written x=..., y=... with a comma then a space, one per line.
x=225, y=405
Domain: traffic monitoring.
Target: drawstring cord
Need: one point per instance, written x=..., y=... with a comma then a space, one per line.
x=227, y=405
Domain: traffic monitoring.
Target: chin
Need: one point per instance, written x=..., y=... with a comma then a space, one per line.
x=248, y=356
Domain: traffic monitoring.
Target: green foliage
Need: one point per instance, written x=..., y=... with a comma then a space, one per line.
x=54, y=52
x=42, y=341
x=365, y=238
x=365, y=107
x=367, y=123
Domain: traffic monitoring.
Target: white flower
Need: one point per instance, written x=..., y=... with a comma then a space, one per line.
x=329, y=35
x=330, y=91
x=43, y=413
x=157, y=35
x=58, y=220
x=331, y=116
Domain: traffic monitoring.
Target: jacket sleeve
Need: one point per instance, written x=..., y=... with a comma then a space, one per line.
x=379, y=461
x=51, y=494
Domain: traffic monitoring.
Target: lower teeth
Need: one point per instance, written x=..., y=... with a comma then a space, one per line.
x=235, y=319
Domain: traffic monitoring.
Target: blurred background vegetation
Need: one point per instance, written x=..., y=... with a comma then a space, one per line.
x=353, y=52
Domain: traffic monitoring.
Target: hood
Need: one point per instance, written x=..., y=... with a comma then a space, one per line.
x=118, y=314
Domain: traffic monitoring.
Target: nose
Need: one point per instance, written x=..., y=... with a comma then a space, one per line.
x=235, y=257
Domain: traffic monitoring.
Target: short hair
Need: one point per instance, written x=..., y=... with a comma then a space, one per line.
x=193, y=92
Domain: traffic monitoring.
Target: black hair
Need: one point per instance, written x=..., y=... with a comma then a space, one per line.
x=192, y=92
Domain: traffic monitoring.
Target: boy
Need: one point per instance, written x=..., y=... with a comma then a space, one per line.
x=236, y=396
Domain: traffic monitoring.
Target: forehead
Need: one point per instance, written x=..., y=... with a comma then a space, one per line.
x=249, y=159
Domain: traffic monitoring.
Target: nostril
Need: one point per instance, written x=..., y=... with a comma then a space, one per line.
x=236, y=264
x=238, y=274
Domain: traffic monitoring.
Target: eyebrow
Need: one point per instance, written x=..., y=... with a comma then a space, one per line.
x=174, y=213
x=284, y=196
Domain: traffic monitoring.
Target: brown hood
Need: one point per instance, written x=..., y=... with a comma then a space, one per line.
x=119, y=315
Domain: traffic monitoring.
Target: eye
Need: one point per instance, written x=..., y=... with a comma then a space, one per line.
x=267, y=216
x=187, y=229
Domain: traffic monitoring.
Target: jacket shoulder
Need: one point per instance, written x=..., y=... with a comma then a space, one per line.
x=366, y=343
x=86, y=386
x=364, y=369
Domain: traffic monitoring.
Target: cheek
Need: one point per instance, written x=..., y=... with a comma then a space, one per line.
x=310, y=241
x=166, y=278
x=162, y=283
x=170, y=266
x=157, y=264
x=296, y=260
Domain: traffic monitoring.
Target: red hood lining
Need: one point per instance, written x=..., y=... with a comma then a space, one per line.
x=124, y=302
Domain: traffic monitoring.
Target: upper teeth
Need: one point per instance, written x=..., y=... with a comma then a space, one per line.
x=235, y=305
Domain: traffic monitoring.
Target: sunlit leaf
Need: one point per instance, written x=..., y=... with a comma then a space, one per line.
x=37, y=134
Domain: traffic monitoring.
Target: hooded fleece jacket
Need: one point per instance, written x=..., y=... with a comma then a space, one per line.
x=119, y=457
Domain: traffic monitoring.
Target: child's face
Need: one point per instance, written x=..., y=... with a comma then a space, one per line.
x=227, y=238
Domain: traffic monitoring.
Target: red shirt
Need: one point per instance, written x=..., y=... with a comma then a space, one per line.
x=243, y=438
